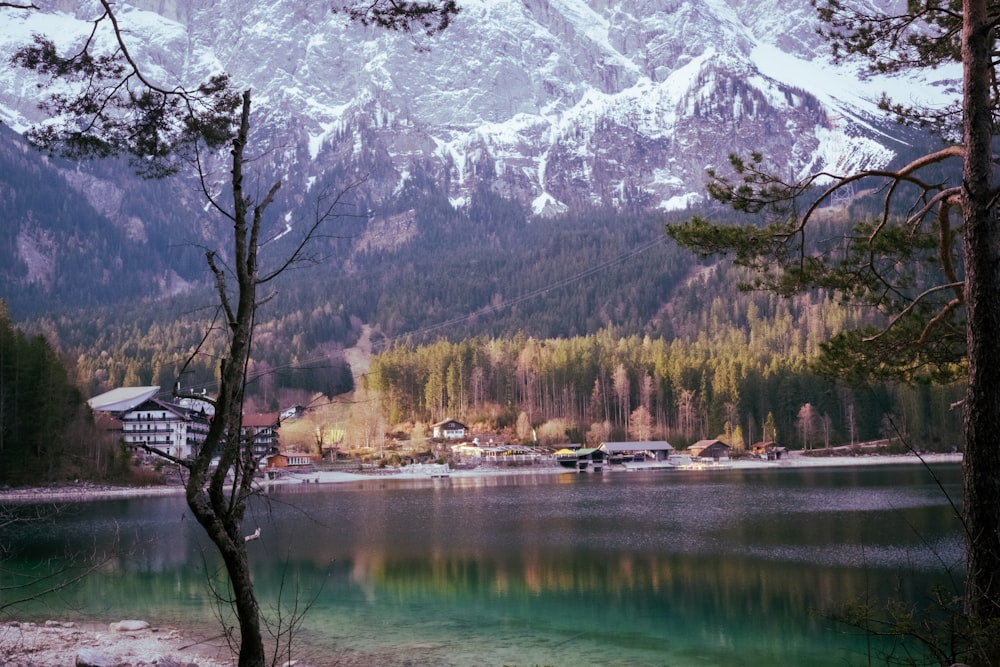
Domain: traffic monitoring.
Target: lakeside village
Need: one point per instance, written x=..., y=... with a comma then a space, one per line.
x=135, y=417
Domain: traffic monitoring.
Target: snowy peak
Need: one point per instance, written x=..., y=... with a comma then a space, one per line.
x=558, y=103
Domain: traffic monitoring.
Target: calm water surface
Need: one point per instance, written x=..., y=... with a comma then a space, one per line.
x=675, y=568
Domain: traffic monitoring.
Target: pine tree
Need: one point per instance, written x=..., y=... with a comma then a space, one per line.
x=940, y=324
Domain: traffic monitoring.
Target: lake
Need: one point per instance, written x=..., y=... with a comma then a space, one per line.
x=681, y=568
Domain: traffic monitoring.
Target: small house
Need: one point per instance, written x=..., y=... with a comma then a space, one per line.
x=768, y=450
x=289, y=460
x=294, y=412
x=449, y=429
x=709, y=449
x=466, y=450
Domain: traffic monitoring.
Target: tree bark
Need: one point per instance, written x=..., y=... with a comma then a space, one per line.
x=981, y=468
x=217, y=500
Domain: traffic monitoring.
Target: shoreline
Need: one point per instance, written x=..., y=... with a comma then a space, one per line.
x=85, y=491
x=60, y=643
x=56, y=643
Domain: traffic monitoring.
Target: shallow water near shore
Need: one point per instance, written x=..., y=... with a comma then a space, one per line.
x=734, y=567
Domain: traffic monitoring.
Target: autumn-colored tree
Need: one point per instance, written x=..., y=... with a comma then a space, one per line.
x=641, y=424
x=770, y=432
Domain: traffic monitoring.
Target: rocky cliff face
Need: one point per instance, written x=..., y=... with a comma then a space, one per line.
x=555, y=102
x=559, y=104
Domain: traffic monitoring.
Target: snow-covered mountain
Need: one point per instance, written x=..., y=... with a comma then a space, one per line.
x=557, y=103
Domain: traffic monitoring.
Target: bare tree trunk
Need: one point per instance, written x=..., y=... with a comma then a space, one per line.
x=981, y=472
x=218, y=497
x=126, y=112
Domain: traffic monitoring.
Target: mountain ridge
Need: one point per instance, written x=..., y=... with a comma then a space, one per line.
x=563, y=106
x=556, y=103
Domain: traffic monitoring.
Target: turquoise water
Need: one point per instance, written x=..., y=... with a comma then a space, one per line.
x=719, y=568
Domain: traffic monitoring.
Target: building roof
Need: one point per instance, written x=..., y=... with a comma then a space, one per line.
x=107, y=422
x=766, y=444
x=448, y=422
x=122, y=399
x=637, y=446
x=182, y=411
x=579, y=453
x=259, y=420
x=702, y=445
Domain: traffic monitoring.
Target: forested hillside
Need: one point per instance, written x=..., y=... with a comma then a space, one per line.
x=591, y=318
x=82, y=236
x=420, y=270
x=736, y=374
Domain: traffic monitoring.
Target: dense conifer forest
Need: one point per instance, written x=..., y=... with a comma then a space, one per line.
x=418, y=271
x=742, y=385
x=46, y=430
x=591, y=326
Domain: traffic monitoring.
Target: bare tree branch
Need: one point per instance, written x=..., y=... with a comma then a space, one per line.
x=322, y=216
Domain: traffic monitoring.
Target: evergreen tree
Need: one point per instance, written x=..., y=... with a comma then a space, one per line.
x=39, y=409
x=933, y=276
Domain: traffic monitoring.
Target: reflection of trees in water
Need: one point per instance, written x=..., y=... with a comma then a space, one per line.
x=674, y=584
x=723, y=549
x=31, y=579
x=119, y=536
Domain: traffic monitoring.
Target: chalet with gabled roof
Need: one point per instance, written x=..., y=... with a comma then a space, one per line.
x=709, y=449
x=767, y=449
x=450, y=429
